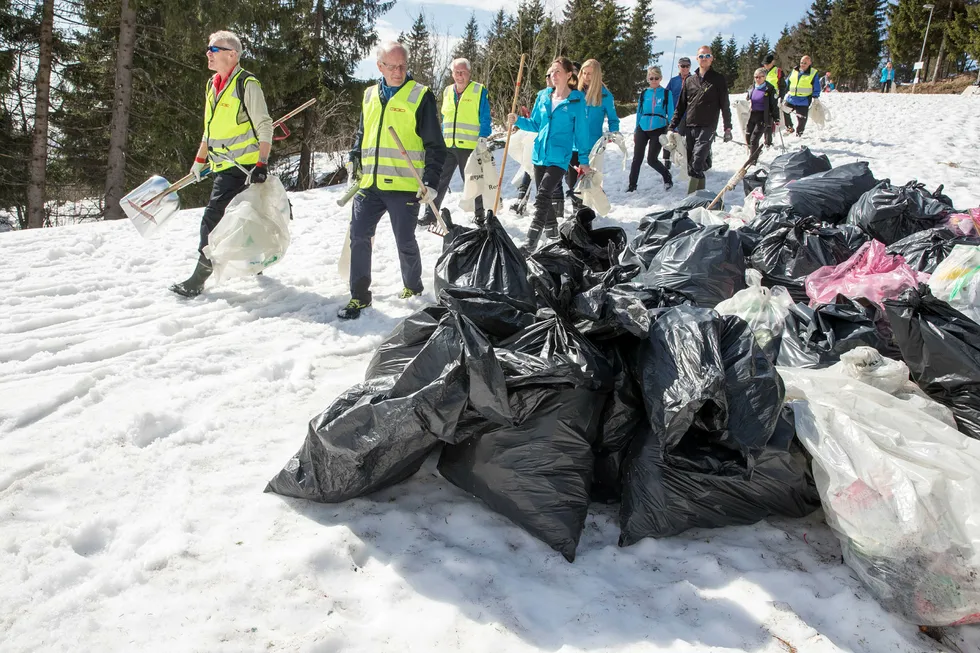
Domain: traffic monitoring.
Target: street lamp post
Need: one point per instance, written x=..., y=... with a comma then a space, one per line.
x=922, y=54
x=674, y=58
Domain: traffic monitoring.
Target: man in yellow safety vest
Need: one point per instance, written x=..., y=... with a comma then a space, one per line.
x=776, y=77
x=465, y=120
x=237, y=137
x=803, y=88
x=387, y=183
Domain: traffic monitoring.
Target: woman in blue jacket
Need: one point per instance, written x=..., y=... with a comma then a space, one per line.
x=654, y=109
x=599, y=107
x=558, y=116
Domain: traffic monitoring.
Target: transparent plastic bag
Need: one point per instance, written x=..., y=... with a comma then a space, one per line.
x=867, y=365
x=967, y=223
x=900, y=489
x=677, y=146
x=253, y=233
x=871, y=273
x=956, y=280
x=708, y=218
x=149, y=219
x=765, y=309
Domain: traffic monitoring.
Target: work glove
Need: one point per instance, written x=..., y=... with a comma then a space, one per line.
x=353, y=168
x=427, y=194
x=198, y=167
x=728, y=136
x=259, y=174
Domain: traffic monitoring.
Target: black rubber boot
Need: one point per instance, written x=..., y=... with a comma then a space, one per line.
x=193, y=286
x=556, y=215
x=533, y=236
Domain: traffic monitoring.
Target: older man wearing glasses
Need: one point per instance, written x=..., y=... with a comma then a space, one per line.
x=235, y=145
x=387, y=184
x=703, y=96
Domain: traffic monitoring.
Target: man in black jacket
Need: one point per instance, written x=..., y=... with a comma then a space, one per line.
x=703, y=96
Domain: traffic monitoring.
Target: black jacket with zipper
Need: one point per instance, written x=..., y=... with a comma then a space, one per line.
x=702, y=99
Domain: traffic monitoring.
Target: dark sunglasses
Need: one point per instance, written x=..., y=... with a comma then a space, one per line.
x=685, y=65
x=217, y=48
x=651, y=79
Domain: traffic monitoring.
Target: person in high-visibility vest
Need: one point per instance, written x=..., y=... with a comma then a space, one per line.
x=387, y=183
x=237, y=136
x=803, y=88
x=776, y=77
x=465, y=120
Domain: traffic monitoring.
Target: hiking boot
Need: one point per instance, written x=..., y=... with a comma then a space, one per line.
x=406, y=293
x=194, y=284
x=790, y=131
x=533, y=236
x=668, y=185
x=427, y=220
x=631, y=189
x=353, y=309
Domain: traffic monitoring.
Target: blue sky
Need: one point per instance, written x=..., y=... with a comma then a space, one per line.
x=694, y=22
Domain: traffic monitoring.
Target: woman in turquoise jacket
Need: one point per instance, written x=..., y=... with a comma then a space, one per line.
x=558, y=116
x=654, y=109
x=887, y=77
x=599, y=107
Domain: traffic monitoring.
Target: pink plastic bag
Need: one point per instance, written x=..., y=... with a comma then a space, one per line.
x=967, y=223
x=870, y=273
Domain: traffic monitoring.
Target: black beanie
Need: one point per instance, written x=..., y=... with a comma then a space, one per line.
x=768, y=59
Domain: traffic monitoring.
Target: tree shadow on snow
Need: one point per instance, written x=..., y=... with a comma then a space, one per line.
x=450, y=548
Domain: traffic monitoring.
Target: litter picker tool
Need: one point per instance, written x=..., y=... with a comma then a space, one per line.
x=510, y=130
x=440, y=228
x=735, y=178
x=151, y=204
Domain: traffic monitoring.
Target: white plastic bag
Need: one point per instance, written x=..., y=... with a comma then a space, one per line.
x=819, y=113
x=742, y=110
x=522, y=151
x=900, y=489
x=589, y=186
x=708, y=218
x=479, y=178
x=867, y=365
x=957, y=280
x=765, y=309
x=253, y=233
x=677, y=146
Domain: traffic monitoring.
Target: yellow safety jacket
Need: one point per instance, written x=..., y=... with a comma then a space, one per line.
x=802, y=85
x=227, y=126
x=461, y=120
x=773, y=77
x=382, y=164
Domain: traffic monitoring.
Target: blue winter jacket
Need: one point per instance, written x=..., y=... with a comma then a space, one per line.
x=558, y=131
x=887, y=75
x=674, y=86
x=654, y=109
x=595, y=116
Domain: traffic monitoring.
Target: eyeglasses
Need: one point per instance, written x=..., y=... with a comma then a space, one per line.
x=685, y=65
x=704, y=56
x=215, y=49
x=393, y=67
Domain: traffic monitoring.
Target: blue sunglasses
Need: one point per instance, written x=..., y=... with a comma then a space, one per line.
x=217, y=48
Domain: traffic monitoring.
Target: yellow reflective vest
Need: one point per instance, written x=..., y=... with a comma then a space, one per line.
x=773, y=77
x=382, y=164
x=461, y=120
x=802, y=85
x=227, y=126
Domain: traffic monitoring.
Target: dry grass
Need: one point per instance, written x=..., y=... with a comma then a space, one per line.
x=952, y=86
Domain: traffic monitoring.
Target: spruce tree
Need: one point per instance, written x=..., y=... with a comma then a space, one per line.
x=855, y=43
x=581, y=20
x=816, y=32
x=637, y=52
x=421, y=56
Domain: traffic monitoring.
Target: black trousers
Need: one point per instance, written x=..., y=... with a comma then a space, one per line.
x=802, y=115
x=227, y=184
x=548, y=181
x=755, y=130
x=571, y=175
x=370, y=205
x=886, y=86
x=455, y=158
x=649, y=141
x=699, y=149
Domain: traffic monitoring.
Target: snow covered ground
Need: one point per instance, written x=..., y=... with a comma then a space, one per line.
x=138, y=430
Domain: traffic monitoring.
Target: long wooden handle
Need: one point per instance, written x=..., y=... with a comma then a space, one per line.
x=415, y=173
x=513, y=109
x=186, y=180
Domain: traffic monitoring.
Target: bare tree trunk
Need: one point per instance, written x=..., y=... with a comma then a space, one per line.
x=942, y=46
x=305, y=177
x=115, y=180
x=39, y=139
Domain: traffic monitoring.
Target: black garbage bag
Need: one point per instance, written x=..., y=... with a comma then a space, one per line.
x=789, y=253
x=597, y=248
x=622, y=417
x=494, y=314
x=608, y=311
x=557, y=275
x=484, y=258
x=925, y=250
x=379, y=432
x=657, y=228
x=793, y=166
x=707, y=264
x=816, y=337
x=755, y=180
x=710, y=454
x=890, y=213
x=942, y=349
x=827, y=196
x=537, y=472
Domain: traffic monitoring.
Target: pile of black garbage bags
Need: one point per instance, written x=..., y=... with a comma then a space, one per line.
x=596, y=369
